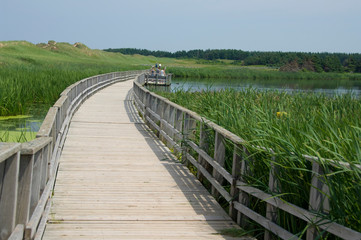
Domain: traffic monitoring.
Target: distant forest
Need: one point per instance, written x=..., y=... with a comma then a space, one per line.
x=285, y=61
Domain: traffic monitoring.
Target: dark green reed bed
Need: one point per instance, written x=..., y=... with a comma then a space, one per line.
x=263, y=73
x=292, y=125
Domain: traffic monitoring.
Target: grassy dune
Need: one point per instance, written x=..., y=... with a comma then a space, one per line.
x=31, y=74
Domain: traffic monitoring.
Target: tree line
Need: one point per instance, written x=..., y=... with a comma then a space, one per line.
x=286, y=61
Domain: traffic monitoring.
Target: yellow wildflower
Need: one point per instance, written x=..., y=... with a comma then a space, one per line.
x=281, y=114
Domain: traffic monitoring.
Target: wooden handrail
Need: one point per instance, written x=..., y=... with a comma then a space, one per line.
x=28, y=170
x=175, y=125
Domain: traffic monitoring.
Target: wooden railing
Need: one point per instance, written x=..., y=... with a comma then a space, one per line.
x=28, y=170
x=158, y=80
x=176, y=126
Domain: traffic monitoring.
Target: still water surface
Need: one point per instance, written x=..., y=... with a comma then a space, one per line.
x=329, y=87
x=23, y=128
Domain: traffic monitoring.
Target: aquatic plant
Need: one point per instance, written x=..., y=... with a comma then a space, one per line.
x=292, y=125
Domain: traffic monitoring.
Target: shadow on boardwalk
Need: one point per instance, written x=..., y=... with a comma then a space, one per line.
x=204, y=205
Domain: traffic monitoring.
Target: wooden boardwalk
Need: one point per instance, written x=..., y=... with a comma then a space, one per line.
x=117, y=181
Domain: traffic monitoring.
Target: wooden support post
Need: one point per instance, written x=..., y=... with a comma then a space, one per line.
x=178, y=124
x=236, y=172
x=185, y=139
x=147, y=105
x=44, y=167
x=171, y=121
x=243, y=198
x=319, y=201
x=274, y=186
x=164, y=114
x=204, y=145
x=9, y=173
x=219, y=156
x=189, y=127
x=24, y=191
x=35, y=188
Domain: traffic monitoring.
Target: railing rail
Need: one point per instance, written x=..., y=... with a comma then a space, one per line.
x=176, y=126
x=28, y=170
x=157, y=79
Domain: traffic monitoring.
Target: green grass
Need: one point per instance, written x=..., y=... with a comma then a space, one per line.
x=311, y=124
x=39, y=73
x=31, y=74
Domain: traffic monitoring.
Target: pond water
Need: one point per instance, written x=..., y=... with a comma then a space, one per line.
x=22, y=128
x=329, y=87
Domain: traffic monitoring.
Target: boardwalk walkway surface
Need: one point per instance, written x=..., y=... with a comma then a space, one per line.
x=117, y=181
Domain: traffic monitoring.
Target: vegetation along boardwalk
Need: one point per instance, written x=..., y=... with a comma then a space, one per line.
x=117, y=181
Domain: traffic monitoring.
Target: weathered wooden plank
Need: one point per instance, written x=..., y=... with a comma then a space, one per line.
x=36, y=180
x=264, y=222
x=218, y=168
x=35, y=145
x=43, y=221
x=236, y=173
x=332, y=227
x=219, y=156
x=9, y=192
x=32, y=226
x=122, y=173
x=8, y=149
x=18, y=233
x=275, y=188
x=243, y=198
x=204, y=146
x=210, y=178
x=24, y=190
x=319, y=193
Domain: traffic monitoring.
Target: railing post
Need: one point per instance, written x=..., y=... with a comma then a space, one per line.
x=236, y=172
x=243, y=198
x=146, y=107
x=163, y=116
x=188, y=128
x=160, y=112
x=219, y=156
x=24, y=191
x=319, y=201
x=178, y=124
x=204, y=145
x=36, y=180
x=171, y=119
x=274, y=186
x=9, y=176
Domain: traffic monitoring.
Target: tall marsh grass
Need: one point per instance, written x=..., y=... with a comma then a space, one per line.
x=292, y=125
x=31, y=74
x=22, y=86
x=227, y=72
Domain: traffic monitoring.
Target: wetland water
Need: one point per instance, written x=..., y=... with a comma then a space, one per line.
x=329, y=87
x=25, y=128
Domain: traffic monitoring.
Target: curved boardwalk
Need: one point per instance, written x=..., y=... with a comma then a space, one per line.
x=117, y=181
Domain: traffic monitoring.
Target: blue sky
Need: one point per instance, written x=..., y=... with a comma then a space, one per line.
x=253, y=25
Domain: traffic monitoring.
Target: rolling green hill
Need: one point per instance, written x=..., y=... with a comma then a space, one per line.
x=22, y=52
x=32, y=74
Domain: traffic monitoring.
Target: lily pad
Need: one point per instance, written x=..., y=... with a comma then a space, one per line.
x=14, y=117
